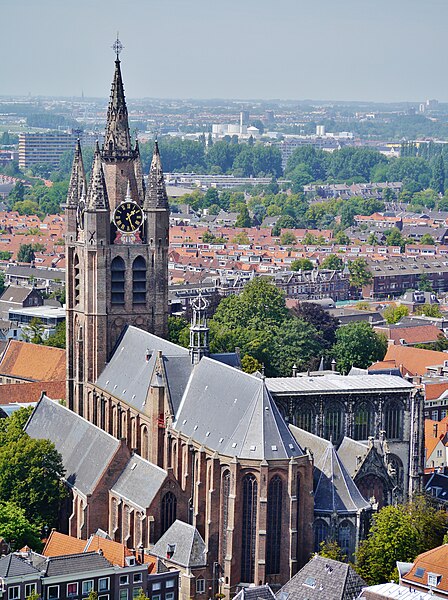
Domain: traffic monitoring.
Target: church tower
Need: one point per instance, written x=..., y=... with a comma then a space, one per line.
x=116, y=248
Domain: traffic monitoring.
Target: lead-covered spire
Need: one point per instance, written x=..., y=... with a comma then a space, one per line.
x=117, y=140
x=77, y=178
x=97, y=192
x=156, y=196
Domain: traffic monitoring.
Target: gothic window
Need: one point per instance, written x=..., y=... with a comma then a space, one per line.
x=117, y=280
x=306, y=417
x=225, y=513
x=249, y=533
x=145, y=443
x=364, y=419
x=169, y=509
x=393, y=419
x=334, y=421
x=320, y=533
x=274, y=529
x=345, y=537
x=77, y=281
x=139, y=281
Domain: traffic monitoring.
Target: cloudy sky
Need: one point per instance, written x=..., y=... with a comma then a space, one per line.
x=379, y=50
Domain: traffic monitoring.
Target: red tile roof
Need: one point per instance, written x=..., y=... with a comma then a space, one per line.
x=420, y=334
x=434, y=561
x=33, y=362
x=414, y=360
x=435, y=390
x=31, y=392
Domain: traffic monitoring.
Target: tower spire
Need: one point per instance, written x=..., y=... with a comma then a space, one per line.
x=117, y=140
x=97, y=193
x=77, y=177
x=156, y=196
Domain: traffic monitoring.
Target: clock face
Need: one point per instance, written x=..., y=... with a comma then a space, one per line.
x=128, y=217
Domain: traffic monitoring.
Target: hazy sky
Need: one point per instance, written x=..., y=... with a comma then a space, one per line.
x=389, y=50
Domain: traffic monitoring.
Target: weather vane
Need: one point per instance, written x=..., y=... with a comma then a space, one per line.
x=117, y=47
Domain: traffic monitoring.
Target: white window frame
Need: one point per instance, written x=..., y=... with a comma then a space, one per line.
x=103, y=589
x=156, y=586
x=52, y=587
x=76, y=584
x=103, y=597
x=200, y=585
x=16, y=594
x=29, y=589
x=169, y=583
x=122, y=594
x=136, y=592
x=138, y=577
x=169, y=596
x=85, y=584
x=125, y=579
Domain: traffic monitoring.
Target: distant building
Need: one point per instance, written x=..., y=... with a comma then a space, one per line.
x=44, y=148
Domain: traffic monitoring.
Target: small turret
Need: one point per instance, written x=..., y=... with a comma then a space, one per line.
x=156, y=196
x=77, y=178
x=199, y=330
x=97, y=192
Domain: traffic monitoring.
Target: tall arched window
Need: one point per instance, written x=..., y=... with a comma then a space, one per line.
x=321, y=531
x=364, y=420
x=334, y=421
x=117, y=280
x=225, y=513
x=169, y=510
x=345, y=538
x=306, y=417
x=139, y=281
x=274, y=530
x=77, y=281
x=393, y=419
x=249, y=534
x=145, y=443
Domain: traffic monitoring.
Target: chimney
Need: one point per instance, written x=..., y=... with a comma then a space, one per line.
x=435, y=429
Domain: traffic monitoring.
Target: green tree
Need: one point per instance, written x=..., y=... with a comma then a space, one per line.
x=141, y=595
x=33, y=332
x=332, y=262
x=394, y=238
x=424, y=283
x=15, y=527
x=241, y=238
x=30, y=472
x=17, y=193
x=399, y=533
x=318, y=317
x=357, y=345
x=394, y=313
x=243, y=219
x=5, y=254
x=372, y=239
x=429, y=310
x=57, y=338
x=427, y=240
x=301, y=264
x=93, y=595
x=360, y=274
x=438, y=175
x=25, y=253
x=249, y=364
x=287, y=238
x=331, y=549
x=2, y=282
x=176, y=326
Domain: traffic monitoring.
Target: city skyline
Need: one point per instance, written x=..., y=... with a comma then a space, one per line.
x=386, y=52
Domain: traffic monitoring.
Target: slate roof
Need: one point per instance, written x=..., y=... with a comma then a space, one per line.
x=86, y=449
x=255, y=592
x=127, y=376
x=233, y=413
x=33, y=362
x=75, y=563
x=189, y=547
x=323, y=578
x=14, y=566
x=349, y=450
x=334, y=489
x=139, y=482
x=437, y=486
x=341, y=384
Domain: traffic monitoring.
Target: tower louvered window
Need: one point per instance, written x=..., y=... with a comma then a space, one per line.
x=139, y=281
x=249, y=534
x=274, y=531
x=77, y=281
x=169, y=510
x=117, y=280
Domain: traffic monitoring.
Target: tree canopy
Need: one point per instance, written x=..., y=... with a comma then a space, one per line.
x=357, y=345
